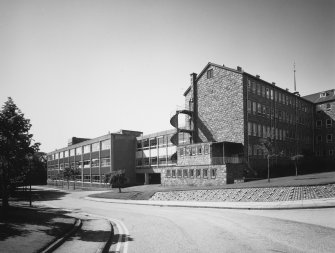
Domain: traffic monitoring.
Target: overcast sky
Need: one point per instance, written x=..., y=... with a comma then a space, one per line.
x=83, y=68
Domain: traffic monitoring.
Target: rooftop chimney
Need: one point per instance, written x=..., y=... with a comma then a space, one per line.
x=258, y=76
x=239, y=68
x=273, y=83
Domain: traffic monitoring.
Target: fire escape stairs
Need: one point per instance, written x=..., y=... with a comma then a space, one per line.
x=174, y=123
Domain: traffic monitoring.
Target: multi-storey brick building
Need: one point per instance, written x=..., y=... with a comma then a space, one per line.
x=227, y=112
x=231, y=105
x=324, y=126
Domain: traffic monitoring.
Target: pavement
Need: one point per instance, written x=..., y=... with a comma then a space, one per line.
x=297, y=204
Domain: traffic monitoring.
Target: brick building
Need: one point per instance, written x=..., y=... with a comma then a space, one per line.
x=226, y=114
x=230, y=105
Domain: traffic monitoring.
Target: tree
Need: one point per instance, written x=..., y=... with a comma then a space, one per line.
x=71, y=173
x=269, y=151
x=15, y=147
x=116, y=178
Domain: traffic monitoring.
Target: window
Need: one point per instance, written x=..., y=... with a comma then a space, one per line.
x=161, y=141
x=323, y=94
x=185, y=173
x=254, y=107
x=328, y=123
x=198, y=173
x=145, y=143
x=153, y=160
x=206, y=149
x=181, y=151
x=86, y=149
x=318, y=123
x=199, y=151
x=264, y=131
x=259, y=130
x=191, y=173
x=66, y=153
x=178, y=173
x=329, y=138
x=255, y=129
x=71, y=152
x=95, y=163
x=79, y=151
x=173, y=173
x=271, y=94
x=249, y=84
x=249, y=106
x=259, y=109
x=187, y=151
x=168, y=173
x=87, y=163
x=105, y=162
x=318, y=139
x=328, y=107
x=95, y=178
x=267, y=93
x=56, y=156
x=193, y=150
x=61, y=154
x=95, y=147
x=66, y=165
x=106, y=144
x=205, y=173
x=253, y=85
x=263, y=91
x=213, y=173
x=264, y=110
x=249, y=128
x=209, y=73
x=258, y=89
x=153, y=142
x=162, y=160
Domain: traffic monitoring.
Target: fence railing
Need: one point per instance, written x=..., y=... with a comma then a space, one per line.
x=226, y=160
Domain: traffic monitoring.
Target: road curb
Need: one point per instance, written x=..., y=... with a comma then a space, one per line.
x=51, y=247
x=104, y=246
x=310, y=204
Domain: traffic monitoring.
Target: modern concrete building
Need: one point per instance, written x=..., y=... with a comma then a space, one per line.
x=227, y=113
x=96, y=157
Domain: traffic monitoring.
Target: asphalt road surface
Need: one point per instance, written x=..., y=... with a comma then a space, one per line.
x=178, y=229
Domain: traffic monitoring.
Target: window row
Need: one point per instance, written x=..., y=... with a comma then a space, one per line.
x=265, y=111
x=328, y=138
x=257, y=151
x=194, y=150
x=94, y=147
x=153, y=142
x=329, y=123
x=147, y=161
x=289, y=100
x=324, y=152
x=82, y=164
x=263, y=131
x=191, y=173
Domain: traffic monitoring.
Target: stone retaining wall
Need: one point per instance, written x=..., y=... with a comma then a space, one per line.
x=250, y=194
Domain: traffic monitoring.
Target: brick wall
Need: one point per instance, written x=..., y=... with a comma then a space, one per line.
x=220, y=106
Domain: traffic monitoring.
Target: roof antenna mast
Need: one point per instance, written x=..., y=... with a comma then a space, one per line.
x=295, y=84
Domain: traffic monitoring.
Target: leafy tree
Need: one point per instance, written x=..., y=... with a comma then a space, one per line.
x=117, y=179
x=269, y=151
x=15, y=147
x=70, y=173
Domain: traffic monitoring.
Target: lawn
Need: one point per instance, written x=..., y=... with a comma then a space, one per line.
x=144, y=192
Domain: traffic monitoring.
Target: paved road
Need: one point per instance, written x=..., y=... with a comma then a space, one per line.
x=178, y=229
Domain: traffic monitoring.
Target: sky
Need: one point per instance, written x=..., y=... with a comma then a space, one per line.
x=85, y=68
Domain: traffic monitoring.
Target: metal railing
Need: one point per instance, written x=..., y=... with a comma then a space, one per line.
x=226, y=160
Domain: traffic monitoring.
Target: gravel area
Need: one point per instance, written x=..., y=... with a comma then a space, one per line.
x=250, y=194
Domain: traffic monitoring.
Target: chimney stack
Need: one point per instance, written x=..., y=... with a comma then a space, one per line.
x=258, y=76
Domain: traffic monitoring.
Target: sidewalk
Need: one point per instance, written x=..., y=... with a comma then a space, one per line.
x=298, y=204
